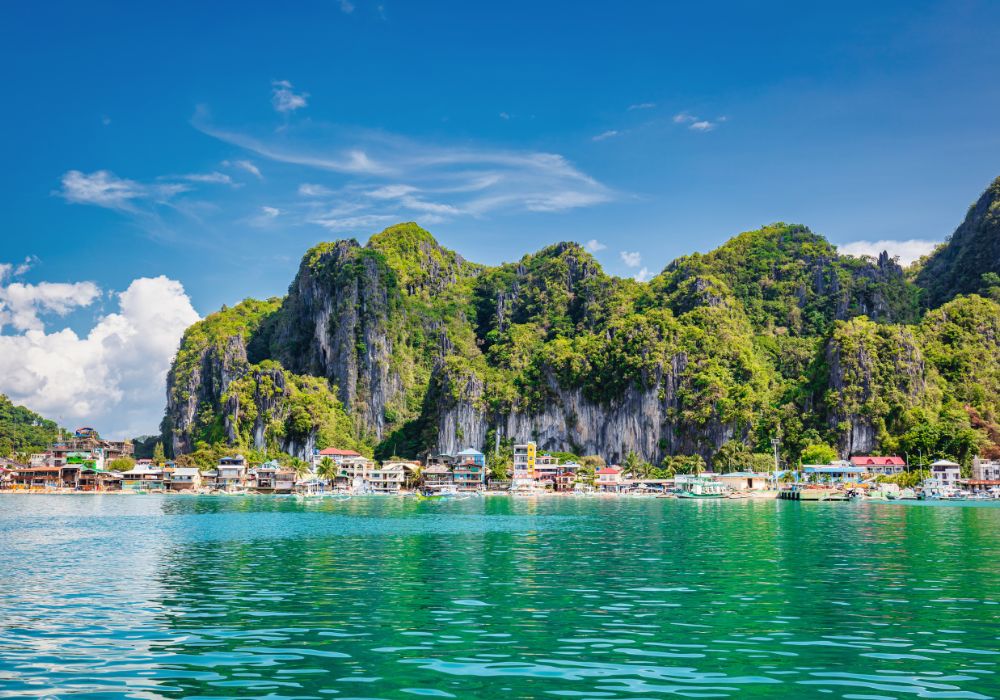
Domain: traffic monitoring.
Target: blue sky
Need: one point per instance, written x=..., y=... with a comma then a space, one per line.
x=210, y=144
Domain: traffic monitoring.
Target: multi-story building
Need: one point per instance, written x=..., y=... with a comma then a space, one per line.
x=185, y=479
x=609, y=479
x=333, y=453
x=945, y=474
x=391, y=477
x=471, y=455
x=986, y=469
x=886, y=466
x=438, y=477
x=524, y=465
x=469, y=476
x=231, y=473
x=144, y=476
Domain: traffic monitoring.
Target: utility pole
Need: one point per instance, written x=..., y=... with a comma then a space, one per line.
x=774, y=443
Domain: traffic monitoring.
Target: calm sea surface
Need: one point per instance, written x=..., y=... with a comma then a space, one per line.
x=147, y=597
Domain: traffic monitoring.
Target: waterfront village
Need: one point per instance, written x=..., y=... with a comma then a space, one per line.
x=86, y=463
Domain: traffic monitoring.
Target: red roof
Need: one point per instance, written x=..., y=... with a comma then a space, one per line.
x=609, y=470
x=866, y=461
x=333, y=451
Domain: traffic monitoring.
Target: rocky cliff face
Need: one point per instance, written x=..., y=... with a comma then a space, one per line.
x=959, y=266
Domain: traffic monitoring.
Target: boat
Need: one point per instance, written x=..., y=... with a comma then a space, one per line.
x=700, y=487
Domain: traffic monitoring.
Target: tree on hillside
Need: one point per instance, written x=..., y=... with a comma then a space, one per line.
x=121, y=464
x=158, y=456
x=818, y=453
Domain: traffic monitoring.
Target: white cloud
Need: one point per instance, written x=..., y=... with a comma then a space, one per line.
x=270, y=212
x=641, y=105
x=505, y=116
x=630, y=259
x=285, y=99
x=212, y=178
x=642, y=275
x=594, y=245
x=113, y=377
x=391, y=191
x=105, y=189
x=697, y=123
x=244, y=165
x=346, y=7
x=22, y=304
x=906, y=250
x=610, y=133
x=102, y=188
x=359, y=224
x=307, y=189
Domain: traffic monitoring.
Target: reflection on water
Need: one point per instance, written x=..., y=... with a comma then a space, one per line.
x=496, y=598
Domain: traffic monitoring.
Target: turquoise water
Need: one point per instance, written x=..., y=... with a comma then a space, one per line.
x=113, y=596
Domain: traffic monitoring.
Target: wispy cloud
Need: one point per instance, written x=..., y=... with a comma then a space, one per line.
x=505, y=116
x=246, y=165
x=308, y=189
x=631, y=259
x=594, y=245
x=695, y=123
x=386, y=175
x=642, y=275
x=604, y=135
x=285, y=99
x=105, y=189
x=906, y=250
x=346, y=7
x=213, y=178
x=641, y=105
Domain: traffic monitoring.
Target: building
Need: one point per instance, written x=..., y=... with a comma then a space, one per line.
x=437, y=477
x=746, y=481
x=144, y=476
x=839, y=470
x=886, y=466
x=335, y=454
x=36, y=478
x=93, y=479
x=471, y=455
x=231, y=473
x=355, y=473
x=391, y=477
x=524, y=465
x=945, y=474
x=609, y=479
x=469, y=476
x=185, y=479
x=986, y=469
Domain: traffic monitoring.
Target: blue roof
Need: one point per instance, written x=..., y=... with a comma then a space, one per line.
x=470, y=451
x=834, y=470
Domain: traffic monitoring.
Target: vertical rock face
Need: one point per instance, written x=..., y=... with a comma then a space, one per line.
x=872, y=368
x=339, y=321
x=959, y=266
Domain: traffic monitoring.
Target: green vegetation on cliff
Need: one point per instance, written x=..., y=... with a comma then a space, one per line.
x=400, y=346
x=23, y=431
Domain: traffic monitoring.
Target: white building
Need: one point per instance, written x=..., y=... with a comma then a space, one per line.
x=985, y=469
x=185, y=479
x=231, y=473
x=945, y=473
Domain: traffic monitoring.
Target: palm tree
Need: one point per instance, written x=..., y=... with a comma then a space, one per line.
x=327, y=469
